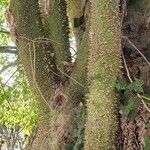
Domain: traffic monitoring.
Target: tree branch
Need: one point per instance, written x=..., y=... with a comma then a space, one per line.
x=4, y=31
x=79, y=73
x=38, y=59
x=78, y=86
x=57, y=26
x=8, y=49
x=30, y=34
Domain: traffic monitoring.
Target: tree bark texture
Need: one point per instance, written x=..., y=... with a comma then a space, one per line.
x=41, y=33
x=103, y=68
x=60, y=87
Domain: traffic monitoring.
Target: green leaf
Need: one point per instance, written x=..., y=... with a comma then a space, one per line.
x=131, y=109
x=136, y=85
x=147, y=142
x=69, y=146
x=120, y=84
x=125, y=97
x=2, y=98
x=26, y=131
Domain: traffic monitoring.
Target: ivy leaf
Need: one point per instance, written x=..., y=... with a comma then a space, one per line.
x=125, y=97
x=133, y=113
x=130, y=110
x=121, y=84
x=69, y=146
x=136, y=86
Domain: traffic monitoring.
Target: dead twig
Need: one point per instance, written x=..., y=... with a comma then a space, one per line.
x=130, y=79
x=70, y=77
x=126, y=67
x=125, y=37
x=8, y=49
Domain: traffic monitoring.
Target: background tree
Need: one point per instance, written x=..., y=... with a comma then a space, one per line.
x=18, y=113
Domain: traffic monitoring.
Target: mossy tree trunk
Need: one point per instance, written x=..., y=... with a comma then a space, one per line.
x=41, y=31
x=42, y=37
x=103, y=68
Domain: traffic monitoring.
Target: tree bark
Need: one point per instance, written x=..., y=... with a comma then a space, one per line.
x=43, y=45
x=103, y=67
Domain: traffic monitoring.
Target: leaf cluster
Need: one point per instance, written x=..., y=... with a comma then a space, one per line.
x=17, y=105
x=129, y=101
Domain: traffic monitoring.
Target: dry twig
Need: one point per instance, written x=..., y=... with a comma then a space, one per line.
x=130, y=79
x=125, y=37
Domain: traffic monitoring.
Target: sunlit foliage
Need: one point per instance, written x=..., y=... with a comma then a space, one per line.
x=17, y=107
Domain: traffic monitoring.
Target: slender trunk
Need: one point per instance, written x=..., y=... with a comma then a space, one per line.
x=103, y=67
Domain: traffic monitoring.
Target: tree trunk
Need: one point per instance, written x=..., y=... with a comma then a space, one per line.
x=103, y=67
x=60, y=87
x=42, y=39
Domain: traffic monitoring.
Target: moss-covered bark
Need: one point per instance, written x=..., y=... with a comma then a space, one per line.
x=43, y=45
x=103, y=67
x=78, y=80
x=33, y=53
x=38, y=63
x=57, y=27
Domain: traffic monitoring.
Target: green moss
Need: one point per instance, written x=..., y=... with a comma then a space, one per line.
x=32, y=52
x=58, y=29
x=27, y=19
x=103, y=67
